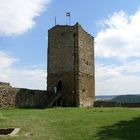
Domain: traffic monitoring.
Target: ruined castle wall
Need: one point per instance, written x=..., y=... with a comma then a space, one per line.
x=86, y=68
x=7, y=96
x=4, y=84
x=31, y=98
x=15, y=97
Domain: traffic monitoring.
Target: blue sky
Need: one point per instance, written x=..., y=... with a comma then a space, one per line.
x=114, y=24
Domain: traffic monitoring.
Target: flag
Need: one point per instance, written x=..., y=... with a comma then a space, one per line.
x=68, y=14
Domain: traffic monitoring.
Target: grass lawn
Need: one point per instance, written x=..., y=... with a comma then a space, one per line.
x=73, y=123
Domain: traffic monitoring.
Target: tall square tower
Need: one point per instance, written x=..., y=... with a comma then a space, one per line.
x=71, y=65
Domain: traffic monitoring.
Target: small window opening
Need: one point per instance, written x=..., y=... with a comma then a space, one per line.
x=83, y=90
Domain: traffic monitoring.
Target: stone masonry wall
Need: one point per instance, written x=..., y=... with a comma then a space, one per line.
x=86, y=68
x=71, y=60
x=24, y=98
x=61, y=61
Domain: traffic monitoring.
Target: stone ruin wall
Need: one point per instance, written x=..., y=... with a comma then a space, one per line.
x=22, y=98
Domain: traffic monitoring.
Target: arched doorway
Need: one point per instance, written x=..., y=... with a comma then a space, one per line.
x=59, y=86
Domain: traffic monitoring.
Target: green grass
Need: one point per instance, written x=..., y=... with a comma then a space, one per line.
x=73, y=123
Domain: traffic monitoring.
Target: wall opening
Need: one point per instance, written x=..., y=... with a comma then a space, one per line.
x=6, y=131
x=59, y=86
x=9, y=131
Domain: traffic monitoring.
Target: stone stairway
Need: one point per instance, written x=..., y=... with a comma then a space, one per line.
x=52, y=98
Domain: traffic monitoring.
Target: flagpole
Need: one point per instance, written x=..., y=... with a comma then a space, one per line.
x=68, y=18
x=55, y=20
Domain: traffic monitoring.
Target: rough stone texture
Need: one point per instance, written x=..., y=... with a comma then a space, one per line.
x=26, y=98
x=7, y=96
x=86, y=68
x=31, y=98
x=16, y=97
x=4, y=84
x=71, y=60
x=61, y=61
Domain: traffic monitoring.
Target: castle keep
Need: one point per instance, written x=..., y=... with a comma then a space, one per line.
x=71, y=65
x=70, y=80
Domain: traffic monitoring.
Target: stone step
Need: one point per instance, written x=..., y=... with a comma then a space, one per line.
x=54, y=97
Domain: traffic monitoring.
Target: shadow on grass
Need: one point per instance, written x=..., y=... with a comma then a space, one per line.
x=123, y=130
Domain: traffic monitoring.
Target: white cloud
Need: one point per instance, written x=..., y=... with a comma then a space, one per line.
x=33, y=77
x=118, y=39
x=113, y=79
x=17, y=16
x=6, y=60
x=120, y=36
x=119, y=86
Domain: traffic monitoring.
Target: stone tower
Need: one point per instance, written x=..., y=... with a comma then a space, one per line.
x=71, y=65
